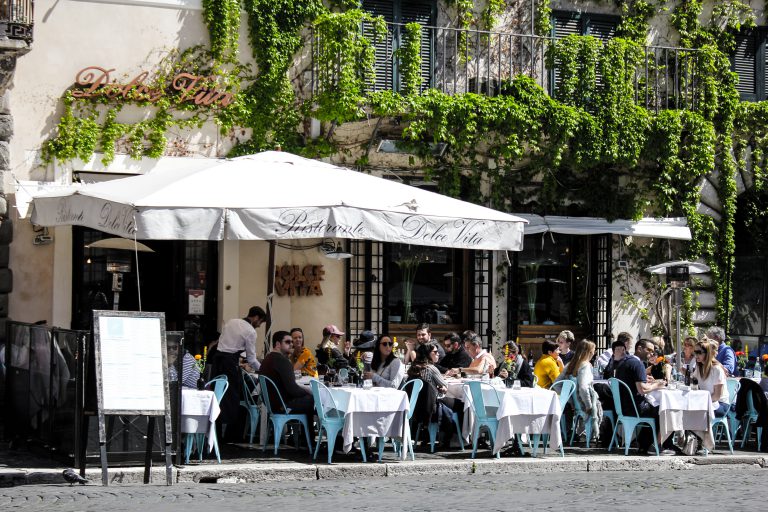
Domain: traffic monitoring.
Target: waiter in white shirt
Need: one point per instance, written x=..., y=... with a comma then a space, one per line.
x=238, y=335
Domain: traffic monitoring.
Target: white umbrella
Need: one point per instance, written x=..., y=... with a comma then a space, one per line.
x=119, y=243
x=276, y=196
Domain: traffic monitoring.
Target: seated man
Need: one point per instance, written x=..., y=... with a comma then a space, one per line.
x=278, y=367
x=631, y=371
x=455, y=354
x=549, y=365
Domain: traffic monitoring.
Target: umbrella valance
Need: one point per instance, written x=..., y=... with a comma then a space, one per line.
x=276, y=195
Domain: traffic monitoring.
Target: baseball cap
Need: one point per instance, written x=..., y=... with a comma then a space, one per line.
x=332, y=329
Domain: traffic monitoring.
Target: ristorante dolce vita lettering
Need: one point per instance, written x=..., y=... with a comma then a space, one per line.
x=95, y=81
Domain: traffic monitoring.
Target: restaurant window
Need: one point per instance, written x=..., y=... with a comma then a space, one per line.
x=398, y=13
x=748, y=62
x=548, y=285
x=424, y=284
x=748, y=320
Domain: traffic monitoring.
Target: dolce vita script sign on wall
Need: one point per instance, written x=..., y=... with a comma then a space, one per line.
x=95, y=81
x=295, y=280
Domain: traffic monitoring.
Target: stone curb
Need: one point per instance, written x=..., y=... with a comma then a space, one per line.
x=269, y=472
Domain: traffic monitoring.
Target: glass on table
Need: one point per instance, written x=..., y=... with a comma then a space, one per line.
x=516, y=384
x=367, y=384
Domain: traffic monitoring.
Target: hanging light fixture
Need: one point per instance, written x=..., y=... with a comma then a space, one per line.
x=334, y=251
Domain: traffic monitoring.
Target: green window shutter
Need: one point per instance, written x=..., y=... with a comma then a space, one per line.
x=745, y=65
x=601, y=27
x=384, y=48
x=565, y=24
x=422, y=13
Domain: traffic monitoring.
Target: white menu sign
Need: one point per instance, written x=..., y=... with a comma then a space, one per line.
x=132, y=363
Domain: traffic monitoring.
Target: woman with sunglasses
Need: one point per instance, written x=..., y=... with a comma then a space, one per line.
x=711, y=376
x=386, y=369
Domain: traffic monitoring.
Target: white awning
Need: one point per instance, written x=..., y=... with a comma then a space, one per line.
x=674, y=228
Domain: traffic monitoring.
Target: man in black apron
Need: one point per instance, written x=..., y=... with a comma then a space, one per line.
x=238, y=335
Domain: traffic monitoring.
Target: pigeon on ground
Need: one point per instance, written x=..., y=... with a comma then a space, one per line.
x=73, y=478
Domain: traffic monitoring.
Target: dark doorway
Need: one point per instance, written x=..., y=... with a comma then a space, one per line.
x=168, y=276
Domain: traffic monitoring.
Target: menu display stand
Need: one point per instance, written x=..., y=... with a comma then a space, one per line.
x=132, y=377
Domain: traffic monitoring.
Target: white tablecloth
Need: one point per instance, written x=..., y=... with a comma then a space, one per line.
x=377, y=412
x=684, y=410
x=199, y=410
x=520, y=411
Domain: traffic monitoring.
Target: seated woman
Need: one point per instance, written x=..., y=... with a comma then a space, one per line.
x=514, y=366
x=689, y=359
x=301, y=357
x=189, y=371
x=430, y=408
x=549, y=365
x=580, y=369
x=482, y=363
x=711, y=376
x=328, y=352
x=386, y=369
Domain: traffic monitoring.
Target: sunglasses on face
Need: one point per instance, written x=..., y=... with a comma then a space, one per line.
x=387, y=344
x=699, y=352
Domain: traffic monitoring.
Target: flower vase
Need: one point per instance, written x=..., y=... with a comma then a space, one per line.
x=200, y=383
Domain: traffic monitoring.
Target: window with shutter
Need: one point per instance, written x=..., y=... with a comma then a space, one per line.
x=750, y=62
x=745, y=65
x=564, y=24
x=400, y=12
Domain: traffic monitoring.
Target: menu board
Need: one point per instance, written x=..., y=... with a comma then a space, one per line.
x=130, y=362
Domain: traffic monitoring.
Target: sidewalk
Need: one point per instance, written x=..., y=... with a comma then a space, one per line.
x=246, y=463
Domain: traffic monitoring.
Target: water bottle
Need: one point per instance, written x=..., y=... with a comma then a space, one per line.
x=758, y=370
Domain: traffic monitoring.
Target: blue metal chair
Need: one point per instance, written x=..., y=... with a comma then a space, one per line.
x=415, y=385
x=330, y=419
x=733, y=423
x=433, y=427
x=565, y=389
x=629, y=423
x=279, y=420
x=485, y=416
x=748, y=420
x=220, y=386
x=580, y=414
x=251, y=405
x=724, y=423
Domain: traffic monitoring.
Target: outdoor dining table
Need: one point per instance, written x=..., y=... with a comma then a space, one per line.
x=374, y=412
x=199, y=410
x=520, y=411
x=684, y=410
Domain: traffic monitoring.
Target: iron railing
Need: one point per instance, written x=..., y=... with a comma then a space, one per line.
x=460, y=61
x=17, y=19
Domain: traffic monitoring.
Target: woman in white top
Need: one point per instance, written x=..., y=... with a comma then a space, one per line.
x=711, y=376
x=580, y=369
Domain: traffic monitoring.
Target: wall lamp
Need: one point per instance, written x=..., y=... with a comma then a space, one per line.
x=334, y=250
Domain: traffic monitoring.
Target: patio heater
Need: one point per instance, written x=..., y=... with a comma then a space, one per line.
x=677, y=274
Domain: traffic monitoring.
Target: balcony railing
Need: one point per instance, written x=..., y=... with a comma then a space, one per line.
x=17, y=19
x=459, y=61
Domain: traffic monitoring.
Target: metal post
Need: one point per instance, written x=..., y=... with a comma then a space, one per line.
x=678, y=348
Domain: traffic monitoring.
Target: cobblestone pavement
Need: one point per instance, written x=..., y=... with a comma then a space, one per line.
x=706, y=488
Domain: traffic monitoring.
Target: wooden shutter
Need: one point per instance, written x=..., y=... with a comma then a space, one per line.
x=603, y=28
x=384, y=48
x=745, y=65
x=421, y=13
x=564, y=24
